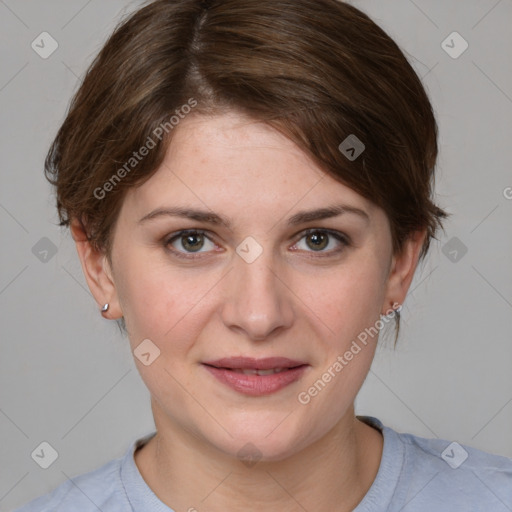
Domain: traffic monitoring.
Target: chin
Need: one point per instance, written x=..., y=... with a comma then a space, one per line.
x=269, y=440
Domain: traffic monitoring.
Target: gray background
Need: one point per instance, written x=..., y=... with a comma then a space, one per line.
x=67, y=375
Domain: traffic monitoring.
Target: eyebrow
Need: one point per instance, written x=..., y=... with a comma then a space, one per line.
x=216, y=219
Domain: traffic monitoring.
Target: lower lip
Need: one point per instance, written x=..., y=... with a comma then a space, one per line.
x=257, y=385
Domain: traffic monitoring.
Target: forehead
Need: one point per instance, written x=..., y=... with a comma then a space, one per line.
x=229, y=162
x=232, y=144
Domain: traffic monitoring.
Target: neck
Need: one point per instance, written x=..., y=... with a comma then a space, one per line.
x=331, y=474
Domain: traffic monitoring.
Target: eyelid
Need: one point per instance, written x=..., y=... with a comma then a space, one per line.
x=341, y=237
x=168, y=239
x=333, y=232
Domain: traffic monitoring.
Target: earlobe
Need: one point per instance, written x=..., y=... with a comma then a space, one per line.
x=97, y=272
x=403, y=268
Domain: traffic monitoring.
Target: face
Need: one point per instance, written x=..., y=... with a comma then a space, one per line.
x=266, y=283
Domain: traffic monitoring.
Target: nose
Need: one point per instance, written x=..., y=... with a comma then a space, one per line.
x=257, y=302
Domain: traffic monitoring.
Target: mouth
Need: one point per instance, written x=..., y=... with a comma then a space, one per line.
x=254, y=371
x=256, y=376
x=250, y=365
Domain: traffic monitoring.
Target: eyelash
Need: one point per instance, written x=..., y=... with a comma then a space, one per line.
x=340, y=237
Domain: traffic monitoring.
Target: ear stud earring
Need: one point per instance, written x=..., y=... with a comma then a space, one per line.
x=105, y=308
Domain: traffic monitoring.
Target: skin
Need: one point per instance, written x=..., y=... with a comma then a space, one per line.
x=295, y=300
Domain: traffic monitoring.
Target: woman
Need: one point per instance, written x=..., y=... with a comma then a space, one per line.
x=249, y=186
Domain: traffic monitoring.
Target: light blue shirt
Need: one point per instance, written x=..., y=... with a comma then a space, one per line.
x=415, y=475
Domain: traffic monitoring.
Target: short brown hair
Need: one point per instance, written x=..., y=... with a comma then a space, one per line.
x=316, y=70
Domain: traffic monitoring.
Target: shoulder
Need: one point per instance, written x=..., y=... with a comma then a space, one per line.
x=444, y=474
x=418, y=474
x=100, y=489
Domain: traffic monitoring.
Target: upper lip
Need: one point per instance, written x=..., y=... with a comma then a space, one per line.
x=245, y=363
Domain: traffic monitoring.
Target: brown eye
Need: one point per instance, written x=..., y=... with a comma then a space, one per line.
x=187, y=242
x=192, y=242
x=317, y=240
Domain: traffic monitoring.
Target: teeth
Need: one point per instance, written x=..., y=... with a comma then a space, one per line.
x=253, y=371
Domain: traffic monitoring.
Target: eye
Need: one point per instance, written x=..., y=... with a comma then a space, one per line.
x=317, y=240
x=191, y=241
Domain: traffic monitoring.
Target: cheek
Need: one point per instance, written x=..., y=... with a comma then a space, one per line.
x=164, y=306
x=162, y=303
x=348, y=299
x=349, y=304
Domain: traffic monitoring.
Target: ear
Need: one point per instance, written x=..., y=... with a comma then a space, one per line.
x=97, y=272
x=402, y=270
